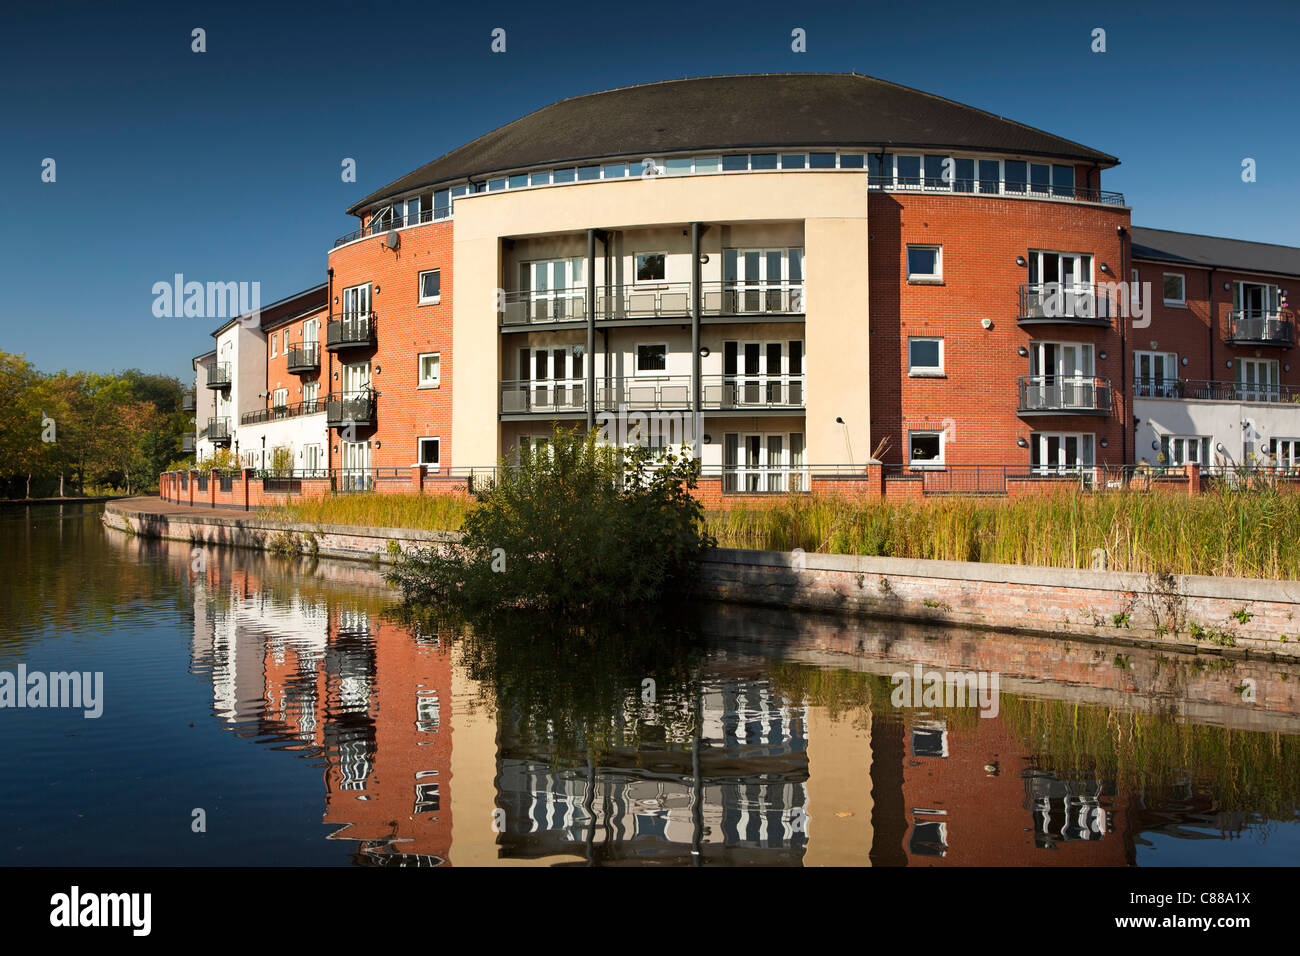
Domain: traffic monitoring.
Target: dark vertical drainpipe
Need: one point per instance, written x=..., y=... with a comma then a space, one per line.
x=1214, y=322
x=329, y=371
x=697, y=394
x=591, y=329
x=1126, y=407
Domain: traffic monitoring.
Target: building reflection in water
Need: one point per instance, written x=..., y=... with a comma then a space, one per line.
x=741, y=761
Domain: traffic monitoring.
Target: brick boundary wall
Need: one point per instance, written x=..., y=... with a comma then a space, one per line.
x=1061, y=602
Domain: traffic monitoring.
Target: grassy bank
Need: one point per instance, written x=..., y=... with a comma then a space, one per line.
x=1239, y=534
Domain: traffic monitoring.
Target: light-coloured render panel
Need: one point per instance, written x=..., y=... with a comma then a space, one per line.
x=833, y=211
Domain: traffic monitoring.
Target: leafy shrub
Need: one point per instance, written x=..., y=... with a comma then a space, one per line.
x=576, y=525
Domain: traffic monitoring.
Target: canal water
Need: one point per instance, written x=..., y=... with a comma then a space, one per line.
x=258, y=710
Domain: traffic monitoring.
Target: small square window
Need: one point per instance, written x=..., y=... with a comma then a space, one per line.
x=429, y=449
x=925, y=449
x=430, y=370
x=924, y=264
x=1175, y=289
x=651, y=358
x=925, y=356
x=431, y=286
x=650, y=266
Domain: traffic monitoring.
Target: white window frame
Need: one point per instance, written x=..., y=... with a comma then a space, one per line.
x=636, y=358
x=1062, y=468
x=1285, y=454
x=785, y=474
x=1204, y=443
x=274, y=336
x=279, y=398
x=1180, y=302
x=636, y=280
x=1266, y=388
x=922, y=278
x=421, y=297
x=419, y=447
x=925, y=371
x=926, y=464
x=1166, y=387
x=434, y=382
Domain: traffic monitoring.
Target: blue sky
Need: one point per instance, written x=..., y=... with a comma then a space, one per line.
x=224, y=166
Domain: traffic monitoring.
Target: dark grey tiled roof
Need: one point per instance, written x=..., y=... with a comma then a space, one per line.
x=737, y=112
x=1193, y=250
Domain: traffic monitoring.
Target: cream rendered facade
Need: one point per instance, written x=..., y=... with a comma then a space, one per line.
x=822, y=213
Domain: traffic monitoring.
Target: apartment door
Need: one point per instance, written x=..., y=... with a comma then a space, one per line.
x=1155, y=374
x=356, y=311
x=1255, y=300
x=1062, y=375
x=1060, y=453
x=354, y=461
x=312, y=459
x=761, y=373
x=310, y=334
x=552, y=378
x=553, y=287
x=356, y=380
x=1071, y=270
x=1258, y=380
x=763, y=280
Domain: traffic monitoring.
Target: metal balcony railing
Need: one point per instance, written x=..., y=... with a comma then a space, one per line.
x=1256, y=327
x=350, y=408
x=187, y=401
x=218, y=431
x=1064, y=394
x=218, y=375
x=994, y=187
x=350, y=330
x=187, y=443
x=304, y=358
x=658, y=393
x=1216, y=391
x=670, y=300
x=380, y=224
x=277, y=412
x=1080, y=303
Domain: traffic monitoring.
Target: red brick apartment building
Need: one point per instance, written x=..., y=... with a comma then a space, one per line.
x=792, y=273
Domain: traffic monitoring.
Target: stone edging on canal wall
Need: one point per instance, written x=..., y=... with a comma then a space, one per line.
x=1236, y=616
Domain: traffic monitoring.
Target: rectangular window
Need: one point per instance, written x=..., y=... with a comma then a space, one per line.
x=496, y=185
x=652, y=358
x=588, y=172
x=566, y=175
x=1179, y=450
x=1285, y=454
x=851, y=161
x=763, y=462
x=909, y=170
x=735, y=162
x=934, y=172
x=1040, y=177
x=542, y=178
x=1257, y=380
x=1175, y=288
x=1063, y=181
x=964, y=176
x=1016, y=175
x=925, y=449
x=681, y=166
x=280, y=398
x=518, y=181
x=430, y=370
x=762, y=161
x=650, y=266
x=310, y=393
x=990, y=176
x=925, y=356
x=274, y=337
x=923, y=263
x=707, y=164
x=1055, y=453
x=614, y=170
x=430, y=287
x=794, y=161
x=428, y=450
x=821, y=161
x=880, y=169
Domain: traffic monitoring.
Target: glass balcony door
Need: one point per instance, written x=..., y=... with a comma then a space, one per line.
x=1071, y=272
x=552, y=378
x=1155, y=374
x=1062, y=375
x=1054, y=453
x=1258, y=380
x=763, y=280
x=762, y=374
x=554, y=288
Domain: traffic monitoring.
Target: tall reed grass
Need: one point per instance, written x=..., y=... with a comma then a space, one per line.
x=376, y=510
x=1252, y=533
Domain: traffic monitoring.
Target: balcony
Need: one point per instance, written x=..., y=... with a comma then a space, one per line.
x=631, y=305
x=350, y=408
x=722, y=394
x=1260, y=328
x=218, y=375
x=304, y=359
x=1207, y=391
x=187, y=443
x=1053, y=303
x=350, y=331
x=218, y=431
x=187, y=401
x=1064, y=395
x=995, y=187
x=278, y=412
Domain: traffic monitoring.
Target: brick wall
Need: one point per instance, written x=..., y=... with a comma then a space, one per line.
x=976, y=401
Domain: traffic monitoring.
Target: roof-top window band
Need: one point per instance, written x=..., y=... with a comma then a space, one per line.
x=735, y=163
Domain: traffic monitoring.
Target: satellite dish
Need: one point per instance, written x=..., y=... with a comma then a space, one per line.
x=392, y=240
